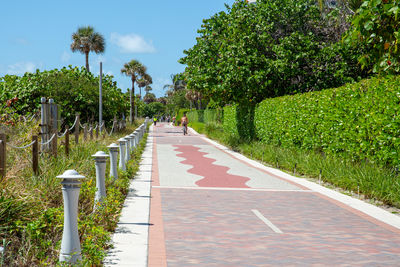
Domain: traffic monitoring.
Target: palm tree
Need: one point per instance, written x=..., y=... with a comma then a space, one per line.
x=194, y=96
x=135, y=70
x=148, y=88
x=86, y=40
x=146, y=80
x=177, y=83
x=149, y=98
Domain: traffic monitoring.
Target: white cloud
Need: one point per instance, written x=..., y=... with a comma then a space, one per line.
x=65, y=57
x=132, y=43
x=20, y=68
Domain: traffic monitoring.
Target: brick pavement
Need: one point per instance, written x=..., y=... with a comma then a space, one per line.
x=202, y=214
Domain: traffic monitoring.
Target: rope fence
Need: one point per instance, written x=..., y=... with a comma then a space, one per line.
x=51, y=144
x=48, y=142
x=21, y=147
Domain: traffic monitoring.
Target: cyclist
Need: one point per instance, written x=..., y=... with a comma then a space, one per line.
x=184, y=121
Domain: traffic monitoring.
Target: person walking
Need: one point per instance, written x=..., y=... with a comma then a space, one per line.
x=155, y=121
x=184, y=121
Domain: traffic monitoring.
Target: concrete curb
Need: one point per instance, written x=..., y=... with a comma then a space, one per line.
x=130, y=239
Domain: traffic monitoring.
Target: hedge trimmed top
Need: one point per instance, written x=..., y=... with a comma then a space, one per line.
x=361, y=121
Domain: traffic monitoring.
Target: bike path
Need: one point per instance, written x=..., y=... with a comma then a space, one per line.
x=212, y=207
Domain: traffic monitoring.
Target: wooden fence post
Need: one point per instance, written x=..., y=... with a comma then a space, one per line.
x=67, y=140
x=35, y=155
x=85, y=131
x=97, y=131
x=91, y=131
x=54, y=144
x=3, y=140
x=77, y=129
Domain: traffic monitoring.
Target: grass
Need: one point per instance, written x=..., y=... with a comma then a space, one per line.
x=365, y=178
x=31, y=207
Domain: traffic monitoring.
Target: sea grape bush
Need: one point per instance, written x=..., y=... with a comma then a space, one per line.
x=376, y=26
x=272, y=48
x=360, y=121
x=239, y=122
x=196, y=116
x=75, y=89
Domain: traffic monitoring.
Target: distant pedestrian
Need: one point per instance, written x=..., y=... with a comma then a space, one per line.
x=184, y=121
x=155, y=121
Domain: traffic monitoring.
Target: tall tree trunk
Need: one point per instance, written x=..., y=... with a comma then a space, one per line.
x=132, y=116
x=87, y=61
x=140, y=92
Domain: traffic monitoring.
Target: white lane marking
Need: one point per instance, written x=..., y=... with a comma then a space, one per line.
x=267, y=222
x=234, y=189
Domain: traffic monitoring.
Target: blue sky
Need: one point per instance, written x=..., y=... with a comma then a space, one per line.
x=37, y=34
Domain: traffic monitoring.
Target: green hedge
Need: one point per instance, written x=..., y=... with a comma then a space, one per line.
x=358, y=120
x=196, y=115
x=213, y=115
x=206, y=116
x=239, y=121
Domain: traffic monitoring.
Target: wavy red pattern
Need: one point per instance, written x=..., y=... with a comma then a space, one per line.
x=214, y=175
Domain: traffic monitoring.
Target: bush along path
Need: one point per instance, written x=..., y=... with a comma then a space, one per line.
x=31, y=207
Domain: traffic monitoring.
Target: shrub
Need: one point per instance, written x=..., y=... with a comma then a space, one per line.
x=196, y=116
x=239, y=121
x=213, y=115
x=360, y=121
x=74, y=89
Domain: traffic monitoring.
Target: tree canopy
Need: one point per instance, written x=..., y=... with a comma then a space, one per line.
x=272, y=48
x=376, y=25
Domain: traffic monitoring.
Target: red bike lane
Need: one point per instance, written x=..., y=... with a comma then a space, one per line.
x=220, y=220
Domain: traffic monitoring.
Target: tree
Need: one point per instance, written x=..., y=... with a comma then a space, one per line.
x=272, y=48
x=148, y=88
x=154, y=108
x=149, y=98
x=376, y=25
x=193, y=96
x=178, y=82
x=86, y=40
x=144, y=81
x=135, y=70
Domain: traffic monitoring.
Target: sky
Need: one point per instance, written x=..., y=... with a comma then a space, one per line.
x=37, y=35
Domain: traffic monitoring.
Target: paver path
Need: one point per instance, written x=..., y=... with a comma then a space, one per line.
x=210, y=207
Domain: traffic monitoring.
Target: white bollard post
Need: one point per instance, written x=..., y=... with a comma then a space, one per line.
x=122, y=153
x=70, y=244
x=100, y=160
x=132, y=140
x=136, y=133
x=141, y=131
x=113, y=160
x=128, y=148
